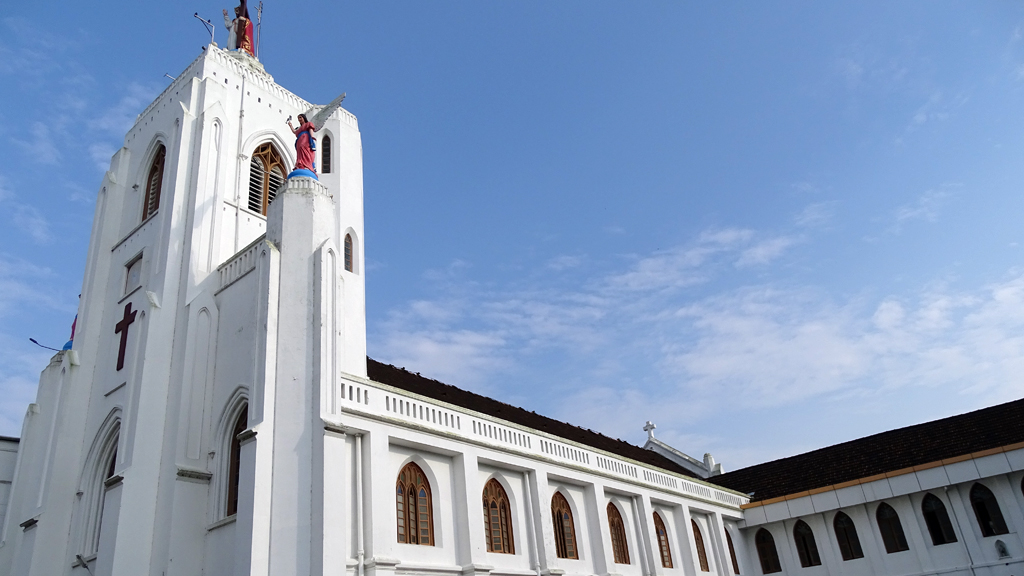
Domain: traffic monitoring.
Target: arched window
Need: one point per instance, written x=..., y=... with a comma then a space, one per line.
x=698, y=541
x=846, y=535
x=806, y=548
x=986, y=510
x=620, y=549
x=565, y=532
x=154, y=183
x=325, y=153
x=497, y=519
x=732, y=552
x=415, y=512
x=937, y=520
x=348, y=252
x=235, y=460
x=766, y=552
x=663, y=547
x=266, y=176
x=891, y=529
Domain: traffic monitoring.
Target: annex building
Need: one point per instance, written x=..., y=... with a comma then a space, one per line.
x=217, y=413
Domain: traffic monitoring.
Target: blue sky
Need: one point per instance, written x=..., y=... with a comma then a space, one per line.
x=766, y=228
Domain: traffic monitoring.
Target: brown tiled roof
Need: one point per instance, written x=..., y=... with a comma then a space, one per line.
x=405, y=380
x=890, y=451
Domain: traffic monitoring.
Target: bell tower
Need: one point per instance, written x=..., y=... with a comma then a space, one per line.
x=218, y=296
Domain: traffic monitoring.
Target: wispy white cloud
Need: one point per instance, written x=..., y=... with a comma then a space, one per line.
x=101, y=153
x=120, y=117
x=816, y=215
x=28, y=219
x=765, y=252
x=925, y=208
x=25, y=217
x=639, y=343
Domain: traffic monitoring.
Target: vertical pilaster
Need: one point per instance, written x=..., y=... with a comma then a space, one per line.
x=300, y=223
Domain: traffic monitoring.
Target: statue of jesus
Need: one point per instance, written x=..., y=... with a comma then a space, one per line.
x=239, y=29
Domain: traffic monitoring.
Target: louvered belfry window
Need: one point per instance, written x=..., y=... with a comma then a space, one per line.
x=348, y=253
x=266, y=176
x=412, y=503
x=325, y=154
x=154, y=182
x=497, y=519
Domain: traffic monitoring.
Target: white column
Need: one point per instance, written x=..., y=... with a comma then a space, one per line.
x=300, y=223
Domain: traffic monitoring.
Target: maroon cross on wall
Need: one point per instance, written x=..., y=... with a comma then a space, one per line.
x=122, y=329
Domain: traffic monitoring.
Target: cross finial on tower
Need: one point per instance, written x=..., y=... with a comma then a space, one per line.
x=649, y=428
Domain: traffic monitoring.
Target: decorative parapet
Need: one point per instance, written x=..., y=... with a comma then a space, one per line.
x=369, y=398
x=257, y=76
x=240, y=264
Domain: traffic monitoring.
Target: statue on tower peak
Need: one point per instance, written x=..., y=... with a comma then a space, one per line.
x=305, y=142
x=239, y=29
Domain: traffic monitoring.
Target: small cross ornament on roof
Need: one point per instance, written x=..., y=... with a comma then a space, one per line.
x=649, y=428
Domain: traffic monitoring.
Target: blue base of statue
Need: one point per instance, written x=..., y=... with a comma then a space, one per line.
x=303, y=173
x=68, y=345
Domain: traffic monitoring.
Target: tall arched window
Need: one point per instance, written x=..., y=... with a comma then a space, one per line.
x=620, y=549
x=266, y=176
x=663, y=547
x=154, y=183
x=698, y=541
x=891, y=528
x=846, y=535
x=732, y=552
x=325, y=153
x=497, y=519
x=806, y=548
x=565, y=531
x=235, y=460
x=937, y=520
x=766, y=552
x=415, y=512
x=348, y=252
x=986, y=510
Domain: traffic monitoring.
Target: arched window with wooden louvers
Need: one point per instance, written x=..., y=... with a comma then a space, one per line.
x=154, y=183
x=846, y=536
x=937, y=520
x=732, y=553
x=620, y=549
x=235, y=460
x=266, y=176
x=698, y=541
x=806, y=548
x=497, y=519
x=348, y=253
x=986, y=510
x=412, y=502
x=325, y=154
x=565, y=531
x=766, y=552
x=891, y=528
x=663, y=547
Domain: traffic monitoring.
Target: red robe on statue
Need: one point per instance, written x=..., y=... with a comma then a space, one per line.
x=244, y=33
x=304, y=154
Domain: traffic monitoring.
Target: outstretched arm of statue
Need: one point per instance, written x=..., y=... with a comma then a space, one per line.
x=227, y=20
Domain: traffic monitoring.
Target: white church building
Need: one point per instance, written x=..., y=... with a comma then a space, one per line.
x=217, y=413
